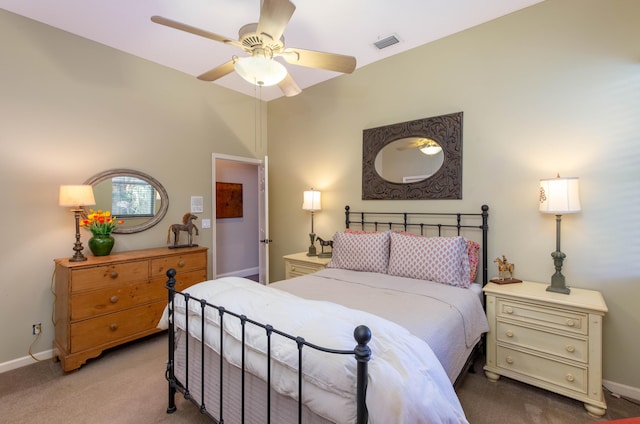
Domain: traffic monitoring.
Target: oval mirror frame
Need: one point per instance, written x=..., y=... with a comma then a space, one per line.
x=164, y=197
x=445, y=183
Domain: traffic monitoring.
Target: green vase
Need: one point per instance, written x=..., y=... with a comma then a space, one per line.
x=101, y=245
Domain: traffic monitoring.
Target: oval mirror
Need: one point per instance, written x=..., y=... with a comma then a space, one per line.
x=409, y=160
x=137, y=198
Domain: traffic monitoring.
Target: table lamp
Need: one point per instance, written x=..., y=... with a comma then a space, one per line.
x=76, y=196
x=559, y=196
x=311, y=202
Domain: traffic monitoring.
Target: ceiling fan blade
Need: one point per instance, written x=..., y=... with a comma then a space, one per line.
x=218, y=72
x=322, y=60
x=274, y=17
x=193, y=30
x=289, y=86
x=410, y=146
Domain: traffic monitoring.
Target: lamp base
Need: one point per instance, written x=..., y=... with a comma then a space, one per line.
x=558, y=284
x=312, y=248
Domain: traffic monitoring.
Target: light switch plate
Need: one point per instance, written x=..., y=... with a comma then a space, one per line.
x=196, y=204
x=206, y=223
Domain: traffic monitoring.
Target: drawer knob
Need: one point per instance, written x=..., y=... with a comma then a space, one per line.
x=570, y=323
x=509, y=360
x=113, y=327
x=181, y=263
x=570, y=377
x=571, y=349
x=293, y=268
x=509, y=310
x=509, y=333
x=113, y=299
x=114, y=274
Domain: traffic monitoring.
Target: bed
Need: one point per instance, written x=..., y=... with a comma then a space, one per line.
x=382, y=335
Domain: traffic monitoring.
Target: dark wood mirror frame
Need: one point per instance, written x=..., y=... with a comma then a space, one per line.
x=164, y=197
x=446, y=183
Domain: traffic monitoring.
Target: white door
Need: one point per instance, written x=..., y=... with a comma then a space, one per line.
x=262, y=238
x=263, y=187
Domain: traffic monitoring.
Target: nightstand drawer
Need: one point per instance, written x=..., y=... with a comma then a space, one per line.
x=556, y=318
x=564, y=346
x=544, y=369
x=296, y=269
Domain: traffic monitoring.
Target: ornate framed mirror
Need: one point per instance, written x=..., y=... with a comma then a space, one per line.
x=137, y=198
x=413, y=160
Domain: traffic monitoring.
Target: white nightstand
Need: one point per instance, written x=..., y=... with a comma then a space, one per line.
x=298, y=264
x=549, y=340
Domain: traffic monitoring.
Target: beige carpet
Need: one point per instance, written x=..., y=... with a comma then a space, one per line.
x=127, y=385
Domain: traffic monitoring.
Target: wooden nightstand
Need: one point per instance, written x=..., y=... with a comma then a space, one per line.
x=298, y=264
x=549, y=340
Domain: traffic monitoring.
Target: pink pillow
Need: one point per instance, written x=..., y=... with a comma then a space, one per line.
x=360, y=252
x=472, y=251
x=438, y=259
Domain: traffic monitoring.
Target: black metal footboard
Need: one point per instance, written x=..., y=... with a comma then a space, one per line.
x=361, y=351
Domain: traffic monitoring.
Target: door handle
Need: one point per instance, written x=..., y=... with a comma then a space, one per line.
x=266, y=241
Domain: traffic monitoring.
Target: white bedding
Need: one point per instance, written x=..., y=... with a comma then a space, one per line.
x=407, y=384
x=450, y=319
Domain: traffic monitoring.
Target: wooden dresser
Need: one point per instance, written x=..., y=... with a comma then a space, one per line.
x=109, y=300
x=298, y=264
x=550, y=340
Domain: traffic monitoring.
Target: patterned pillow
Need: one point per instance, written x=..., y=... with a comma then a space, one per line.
x=360, y=252
x=439, y=259
x=472, y=251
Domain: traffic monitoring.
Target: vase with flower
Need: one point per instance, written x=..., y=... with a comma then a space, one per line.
x=101, y=224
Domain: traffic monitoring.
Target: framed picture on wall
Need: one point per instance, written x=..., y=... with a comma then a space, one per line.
x=228, y=200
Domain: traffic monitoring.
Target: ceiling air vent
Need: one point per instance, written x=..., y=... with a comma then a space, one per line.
x=386, y=42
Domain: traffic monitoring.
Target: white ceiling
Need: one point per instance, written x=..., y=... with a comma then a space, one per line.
x=348, y=27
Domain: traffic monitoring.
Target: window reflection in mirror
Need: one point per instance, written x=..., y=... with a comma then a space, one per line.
x=409, y=160
x=137, y=198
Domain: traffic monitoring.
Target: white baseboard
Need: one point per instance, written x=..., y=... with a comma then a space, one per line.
x=241, y=273
x=25, y=360
x=622, y=390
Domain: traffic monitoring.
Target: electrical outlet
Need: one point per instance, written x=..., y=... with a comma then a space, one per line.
x=36, y=329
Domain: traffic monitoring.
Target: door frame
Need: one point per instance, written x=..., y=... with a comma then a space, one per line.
x=261, y=168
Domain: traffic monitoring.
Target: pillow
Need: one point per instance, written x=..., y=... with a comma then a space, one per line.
x=438, y=259
x=472, y=250
x=360, y=252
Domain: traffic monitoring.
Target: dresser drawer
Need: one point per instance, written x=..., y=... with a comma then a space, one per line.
x=296, y=269
x=560, y=319
x=112, y=299
x=108, y=275
x=560, y=374
x=183, y=280
x=564, y=346
x=181, y=263
x=108, y=328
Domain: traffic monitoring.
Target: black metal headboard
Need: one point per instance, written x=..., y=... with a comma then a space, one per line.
x=426, y=223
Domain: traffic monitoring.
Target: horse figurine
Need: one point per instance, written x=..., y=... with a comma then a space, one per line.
x=324, y=243
x=187, y=225
x=505, y=269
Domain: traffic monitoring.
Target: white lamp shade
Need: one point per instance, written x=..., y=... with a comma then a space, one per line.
x=560, y=195
x=76, y=195
x=260, y=70
x=311, y=200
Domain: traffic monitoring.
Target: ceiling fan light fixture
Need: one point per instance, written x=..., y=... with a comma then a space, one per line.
x=431, y=148
x=260, y=70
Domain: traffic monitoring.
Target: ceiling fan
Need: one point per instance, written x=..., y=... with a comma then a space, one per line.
x=426, y=145
x=263, y=41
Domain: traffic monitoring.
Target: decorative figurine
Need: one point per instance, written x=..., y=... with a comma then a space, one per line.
x=188, y=226
x=323, y=244
x=505, y=272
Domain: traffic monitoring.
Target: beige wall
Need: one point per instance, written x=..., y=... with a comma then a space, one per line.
x=71, y=108
x=552, y=88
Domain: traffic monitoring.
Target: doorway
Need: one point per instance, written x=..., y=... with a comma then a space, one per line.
x=241, y=241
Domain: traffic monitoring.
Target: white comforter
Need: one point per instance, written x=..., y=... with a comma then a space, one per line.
x=407, y=384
